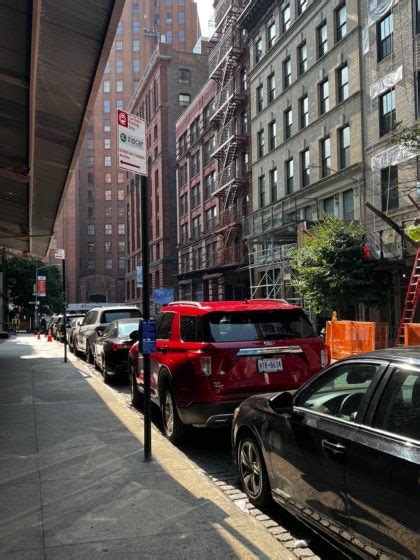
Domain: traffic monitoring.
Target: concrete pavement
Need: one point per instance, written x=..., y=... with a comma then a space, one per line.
x=73, y=483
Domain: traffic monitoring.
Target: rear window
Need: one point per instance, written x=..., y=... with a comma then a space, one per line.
x=127, y=328
x=256, y=325
x=114, y=315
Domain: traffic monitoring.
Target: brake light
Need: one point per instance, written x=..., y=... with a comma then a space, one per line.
x=99, y=330
x=121, y=345
x=206, y=365
x=325, y=356
x=201, y=364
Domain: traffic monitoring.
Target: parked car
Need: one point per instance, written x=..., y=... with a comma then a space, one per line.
x=74, y=325
x=95, y=322
x=60, y=332
x=342, y=453
x=212, y=356
x=112, y=347
x=55, y=326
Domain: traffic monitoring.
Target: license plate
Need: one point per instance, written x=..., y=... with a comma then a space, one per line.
x=270, y=365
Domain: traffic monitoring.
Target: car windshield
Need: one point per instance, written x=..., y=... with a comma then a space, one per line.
x=114, y=315
x=256, y=325
x=125, y=329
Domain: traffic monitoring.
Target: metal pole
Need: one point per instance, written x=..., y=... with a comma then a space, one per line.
x=36, y=300
x=65, y=310
x=146, y=316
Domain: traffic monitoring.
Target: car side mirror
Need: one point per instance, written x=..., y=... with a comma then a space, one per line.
x=282, y=402
x=134, y=336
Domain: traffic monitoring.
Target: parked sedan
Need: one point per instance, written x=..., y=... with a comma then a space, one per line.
x=343, y=452
x=74, y=326
x=112, y=347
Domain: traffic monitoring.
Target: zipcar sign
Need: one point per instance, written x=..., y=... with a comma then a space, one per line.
x=131, y=143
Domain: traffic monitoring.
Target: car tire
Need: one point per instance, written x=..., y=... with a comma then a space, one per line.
x=89, y=356
x=136, y=395
x=253, y=472
x=173, y=428
x=108, y=379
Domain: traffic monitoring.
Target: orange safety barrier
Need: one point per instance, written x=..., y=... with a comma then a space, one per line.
x=381, y=336
x=346, y=338
x=412, y=334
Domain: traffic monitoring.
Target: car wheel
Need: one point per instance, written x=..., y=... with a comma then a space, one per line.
x=89, y=355
x=252, y=472
x=136, y=395
x=173, y=428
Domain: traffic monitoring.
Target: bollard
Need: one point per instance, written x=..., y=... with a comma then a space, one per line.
x=38, y=336
x=49, y=338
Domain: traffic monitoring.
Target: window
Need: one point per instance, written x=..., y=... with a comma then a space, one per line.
x=108, y=229
x=184, y=233
x=89, y=161
x=288, y=122
x=120, y=211
x=107, y=143
x=118, y=66
x=209, y=183
x=289, y=176
x=181, y=17
x=324, y=97
x=164, y=324
x=183, y=205
x=91, y=247
x=210, y=217
x=118, y=46
x=184, y=76
x=260, y=143
x=91, y=229
x=121, y=246
x=107, y=125
x=287, y=72
x=302, y=58
x=389, y=188
x=119, y=103
x=91, y=264
x=329, y=206
x=340, y=22
x=341, y=391
x=343, y=83
x=301, y=6
x=305, y=167
x=399, y=409
x=120, y=177
x=325, y=156
x=273, y=184
x=271, y=87
x=258, y=50
x=196, y=227
x=272, y=135
x=195, y=196
x=344, y=146
x=260, y=98
x=108, y=211
x=135, y=8
x=136, y=45
x=208, y=149
x=348, y=205
x=168, y=19
x=90, y=196
x=322, y=39
x=181, y=36
x=106, y=86
x=285, y=18
x=119, y=86
x=90, y=212
x=385, y=34
x=107, y=161
x=136, y=65
x=121, y=229
x=195, y=163
x=184, y=99
x=108, y=246
x=120, y=194
x=107, y=68
x=108, y=264
x=121, y=263
x=107, y=195
x=271, y=35
x=136, y=26
x=261, y=191
x=107, y=179
x=169, y=36
x=90, y=144
x=107, y=105
x=386, y=112
x=303, y=111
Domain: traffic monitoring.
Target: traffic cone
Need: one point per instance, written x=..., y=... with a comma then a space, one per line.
x=38, y=336
x=49, y=338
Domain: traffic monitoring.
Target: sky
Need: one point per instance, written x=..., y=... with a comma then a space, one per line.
x=205, y=12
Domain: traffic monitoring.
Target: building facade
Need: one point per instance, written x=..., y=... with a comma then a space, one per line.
x=172, y=79
x=92, y=226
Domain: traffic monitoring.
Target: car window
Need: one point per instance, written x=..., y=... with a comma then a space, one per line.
x=93, y=317
x=127, y=328
x=190, y=328
x=87, y=319
x=109, y=330
x=115, y=314
x=399, y=408
x=340, y=391
x=257, y=325
x=165, y=325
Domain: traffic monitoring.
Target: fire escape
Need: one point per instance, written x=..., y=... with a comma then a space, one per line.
x=229, y=117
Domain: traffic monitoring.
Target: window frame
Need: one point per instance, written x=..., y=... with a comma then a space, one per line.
x=384, y=46
x=339, y=34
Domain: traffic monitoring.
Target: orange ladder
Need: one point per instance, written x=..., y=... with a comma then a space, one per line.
x=411, y=299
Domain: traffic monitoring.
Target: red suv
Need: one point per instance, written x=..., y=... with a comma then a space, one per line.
x=212, y=356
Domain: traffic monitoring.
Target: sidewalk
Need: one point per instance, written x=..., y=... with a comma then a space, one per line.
x=73, y=484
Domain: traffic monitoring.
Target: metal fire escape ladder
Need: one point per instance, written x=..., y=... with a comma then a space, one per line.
x=411, y=300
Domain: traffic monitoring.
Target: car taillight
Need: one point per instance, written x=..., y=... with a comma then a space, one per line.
x=121, y=345
x=201, y=364
x=325, y=356
x=99, y=330
x=206, y=365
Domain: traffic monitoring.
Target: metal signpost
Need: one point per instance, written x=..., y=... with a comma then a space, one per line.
x=59, y=254
x=132, y=157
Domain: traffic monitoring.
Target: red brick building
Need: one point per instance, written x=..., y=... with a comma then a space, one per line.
x=172, y=79
x=92, y=226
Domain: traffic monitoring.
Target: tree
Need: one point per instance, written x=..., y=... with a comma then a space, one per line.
x=20, y=280
x=334, y=270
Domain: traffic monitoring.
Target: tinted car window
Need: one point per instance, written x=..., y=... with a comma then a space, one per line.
x=165, y=325
x=127, y=328
x=108, y=330
x=256, y=325
x=399, y=408
x=340, y=391
x=190, y=328
x=114, y=315
x=86, y=320
x=92, y=318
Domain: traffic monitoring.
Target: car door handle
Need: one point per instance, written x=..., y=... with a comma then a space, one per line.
x=336, y=448
x=163, y=349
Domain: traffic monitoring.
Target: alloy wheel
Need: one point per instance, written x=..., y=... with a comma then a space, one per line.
x=250, y=468
x=168, y=408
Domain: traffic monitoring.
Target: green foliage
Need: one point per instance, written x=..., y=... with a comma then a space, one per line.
x=331, y=271
x=409, y=137
x=20, y=279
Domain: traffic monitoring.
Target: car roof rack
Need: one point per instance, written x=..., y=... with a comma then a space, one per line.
x=268, y=299
x=185, y=302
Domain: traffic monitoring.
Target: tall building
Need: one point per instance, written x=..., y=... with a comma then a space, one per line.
x=172, y=79
x=92, y=226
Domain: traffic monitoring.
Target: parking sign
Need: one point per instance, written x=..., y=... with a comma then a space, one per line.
x=131, y=143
